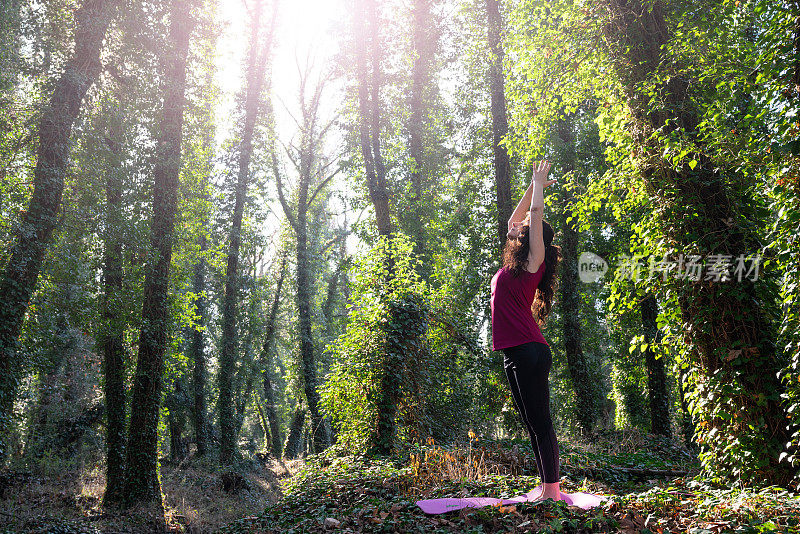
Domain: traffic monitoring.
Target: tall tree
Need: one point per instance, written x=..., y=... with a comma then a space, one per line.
x=18, y=282
x=112, y=335
x=248, y=362
x=369, y=79
x=266, y=362
x=424, y=44
x=334, y=282
x=141, y=461
x=294, y=439
x=197, y=343
x=728, y=326
x=313, y=171
x=569, y=288
x=258, y=57
x=779, y=65
x=197, y=350
x=176, y=402
x=502, y=162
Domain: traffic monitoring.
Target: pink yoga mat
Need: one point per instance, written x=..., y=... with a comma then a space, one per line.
x=440, y=506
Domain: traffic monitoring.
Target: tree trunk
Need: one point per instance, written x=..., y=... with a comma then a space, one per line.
x=247, y=365
x=687, y=424
x=334, y=284
x=656, y=371
x=571, y=297
x=571, y=330
x=266, y=363
x=177, y=451
x=424, y=42
x=368, y=52
x=198, y=355
x=790, y=323
x=720, y=318
x=308, y=166
x=141, y=467
x=176, y=404
x=198, y=407
x=405, y=327
x=272, y=415
x=294, y=441
x=303, y=299
x=52, y=158
x=112, y=334
x=256, y=66
x=369, y=84
x=244, y=397
x=388, y=398
x=262, y=419
x=330, y=295
x=502, y=163
x=303, y=295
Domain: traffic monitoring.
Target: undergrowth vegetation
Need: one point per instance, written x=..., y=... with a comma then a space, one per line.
x=336, y=491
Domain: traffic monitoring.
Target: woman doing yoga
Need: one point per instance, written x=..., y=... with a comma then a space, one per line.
x=522, y=294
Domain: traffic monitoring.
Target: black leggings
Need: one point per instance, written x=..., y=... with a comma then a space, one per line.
x=527, y=368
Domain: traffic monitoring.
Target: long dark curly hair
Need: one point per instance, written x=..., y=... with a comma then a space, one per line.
x=515, y=258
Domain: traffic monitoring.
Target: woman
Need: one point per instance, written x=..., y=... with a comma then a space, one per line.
x=522, y=294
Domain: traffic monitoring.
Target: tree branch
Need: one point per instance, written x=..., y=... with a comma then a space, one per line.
x=279, y=186
x=333, y=241
x=321, y=185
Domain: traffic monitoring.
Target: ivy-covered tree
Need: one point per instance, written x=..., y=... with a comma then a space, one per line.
x=142, y=483
x=21, y=272
x=261, y=37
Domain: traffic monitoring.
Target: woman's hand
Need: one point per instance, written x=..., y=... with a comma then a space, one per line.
x=528, y=202
x=540, y=172
x=536, y=248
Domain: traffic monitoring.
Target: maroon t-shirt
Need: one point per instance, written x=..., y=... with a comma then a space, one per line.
x=512, y=320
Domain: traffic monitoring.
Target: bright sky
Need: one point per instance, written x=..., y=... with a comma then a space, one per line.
x=308, y=30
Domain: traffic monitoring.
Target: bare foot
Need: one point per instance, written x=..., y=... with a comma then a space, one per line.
x=542, y=496
x=552, y=491
x=561, y=497
x=536, y=493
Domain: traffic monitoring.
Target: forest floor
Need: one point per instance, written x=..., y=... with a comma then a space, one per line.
x=347, y=494
x=654, y=484
x=63, y=496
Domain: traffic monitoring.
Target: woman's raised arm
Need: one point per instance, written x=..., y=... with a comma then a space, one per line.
x=535, y=233
x=519, y=212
